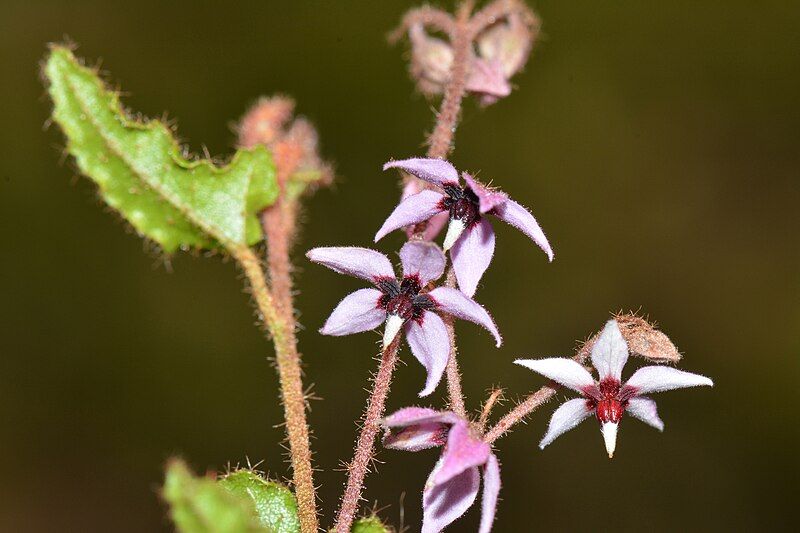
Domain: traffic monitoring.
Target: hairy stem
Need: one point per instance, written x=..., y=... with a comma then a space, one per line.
x=454, y=391
x=274, y=315
x=362, y=458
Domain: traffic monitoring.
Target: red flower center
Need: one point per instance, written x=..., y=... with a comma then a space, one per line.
x=462, y=203
x=403, y=299
x=610, y=405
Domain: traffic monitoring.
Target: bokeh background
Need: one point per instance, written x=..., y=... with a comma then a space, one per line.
x=658, y=143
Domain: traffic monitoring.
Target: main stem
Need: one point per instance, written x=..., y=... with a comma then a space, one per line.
x=275, y=317
x=363, y=455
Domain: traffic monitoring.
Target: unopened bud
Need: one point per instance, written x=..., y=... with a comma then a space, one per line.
x=262, y=124
x=645, y=341
x=509, y=41
x=431, y=60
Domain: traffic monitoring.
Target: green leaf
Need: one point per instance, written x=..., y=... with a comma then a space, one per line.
x=141, y=173
x=275, y=505
x=369, y=525
x=202, y=505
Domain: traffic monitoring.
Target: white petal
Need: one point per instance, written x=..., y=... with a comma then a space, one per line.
x=393, y=325
x=564, y=371
x=609, y=430
x=610, y=352
x=454, y=231
x=566, y=417
x=645, y=410
x=662, y=378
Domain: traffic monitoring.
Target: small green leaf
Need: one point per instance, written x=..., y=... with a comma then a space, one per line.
x=141, y=173
x=369, y=525
x=202, y=505
x=275, y=505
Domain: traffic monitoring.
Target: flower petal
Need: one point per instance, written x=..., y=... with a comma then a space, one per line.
x=513, y=213
x=456, y=303
x=486, y=78
x=443, y=504
x=423, y=259
x=488, y=199
x=610, y=352
x=412, y=210
x=567, y=416
x=436, y=171
x=461, y=452
x=430, y=344
x=491, y=488
x=663, y=378
x=416, y=428
x=471, y=255
x=359, y=262
x=564, y=371
x=645, y=410
x=609, y=431
x=435, y=223
x=357, y=312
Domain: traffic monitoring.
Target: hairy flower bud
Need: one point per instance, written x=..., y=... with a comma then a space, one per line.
x=509, y=42
x=431, y=60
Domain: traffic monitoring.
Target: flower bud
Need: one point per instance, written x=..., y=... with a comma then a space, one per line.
x=509, y=41
x=431, y=60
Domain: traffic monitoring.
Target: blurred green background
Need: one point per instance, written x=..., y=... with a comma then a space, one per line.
x=658, y=143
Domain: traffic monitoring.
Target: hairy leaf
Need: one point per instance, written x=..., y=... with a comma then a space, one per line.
x=139, y=169
x=275, y=505
x=202, y=505
x=369, y=525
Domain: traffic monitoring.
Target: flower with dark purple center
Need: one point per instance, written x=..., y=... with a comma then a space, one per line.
x=406, y=303
x=470, y=236
x=609, y=398
x=453, y=485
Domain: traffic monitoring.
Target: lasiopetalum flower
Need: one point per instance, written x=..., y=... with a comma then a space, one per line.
x=470, y=235
x=453, y=484
x=608, y=398
x=404, y=303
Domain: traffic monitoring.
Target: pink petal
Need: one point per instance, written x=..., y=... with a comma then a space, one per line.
x=461, y=453
x=359, y=262
x=610, y=352
x=491, y=489
x=436, y=171
x=435, y=223
x=356, y=312
x=645, y=410
x=456, y=303
x=430, y=344
x=564, y=371
x=487, y=79
x=471, y=255
x=413, y=210
x=488, y=199
x=513, y=213
x=416, y=428
x=664, y=378
x=443, y=504
x=423, y=259
x=567, y=416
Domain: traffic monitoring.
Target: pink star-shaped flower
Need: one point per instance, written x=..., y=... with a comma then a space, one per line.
x=470, y=235
x=608, y=398
x=402, y=303
x=453, y=484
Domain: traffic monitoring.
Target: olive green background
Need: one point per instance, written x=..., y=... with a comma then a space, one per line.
x=658, y=143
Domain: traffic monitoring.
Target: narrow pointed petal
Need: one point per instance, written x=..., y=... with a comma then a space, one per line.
x=436, y=171
x=568, y=415
x=488, y=199
x=358, y=262
x=472, y=254
x=357, y=312
x=444, y=503
x=416, y=428
x=393, y=325
x=430, y=344
x=564, y=371
x=491, y=489
x=413, y=210
x=513, y=213
x=609, y=431
x=423, y=259
x=663, y=378
x=435, y=223
x=610, y=352
x=486, y=79
x=456, y=303
x=461, y=453
x=454, y=231
x=645, y=410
